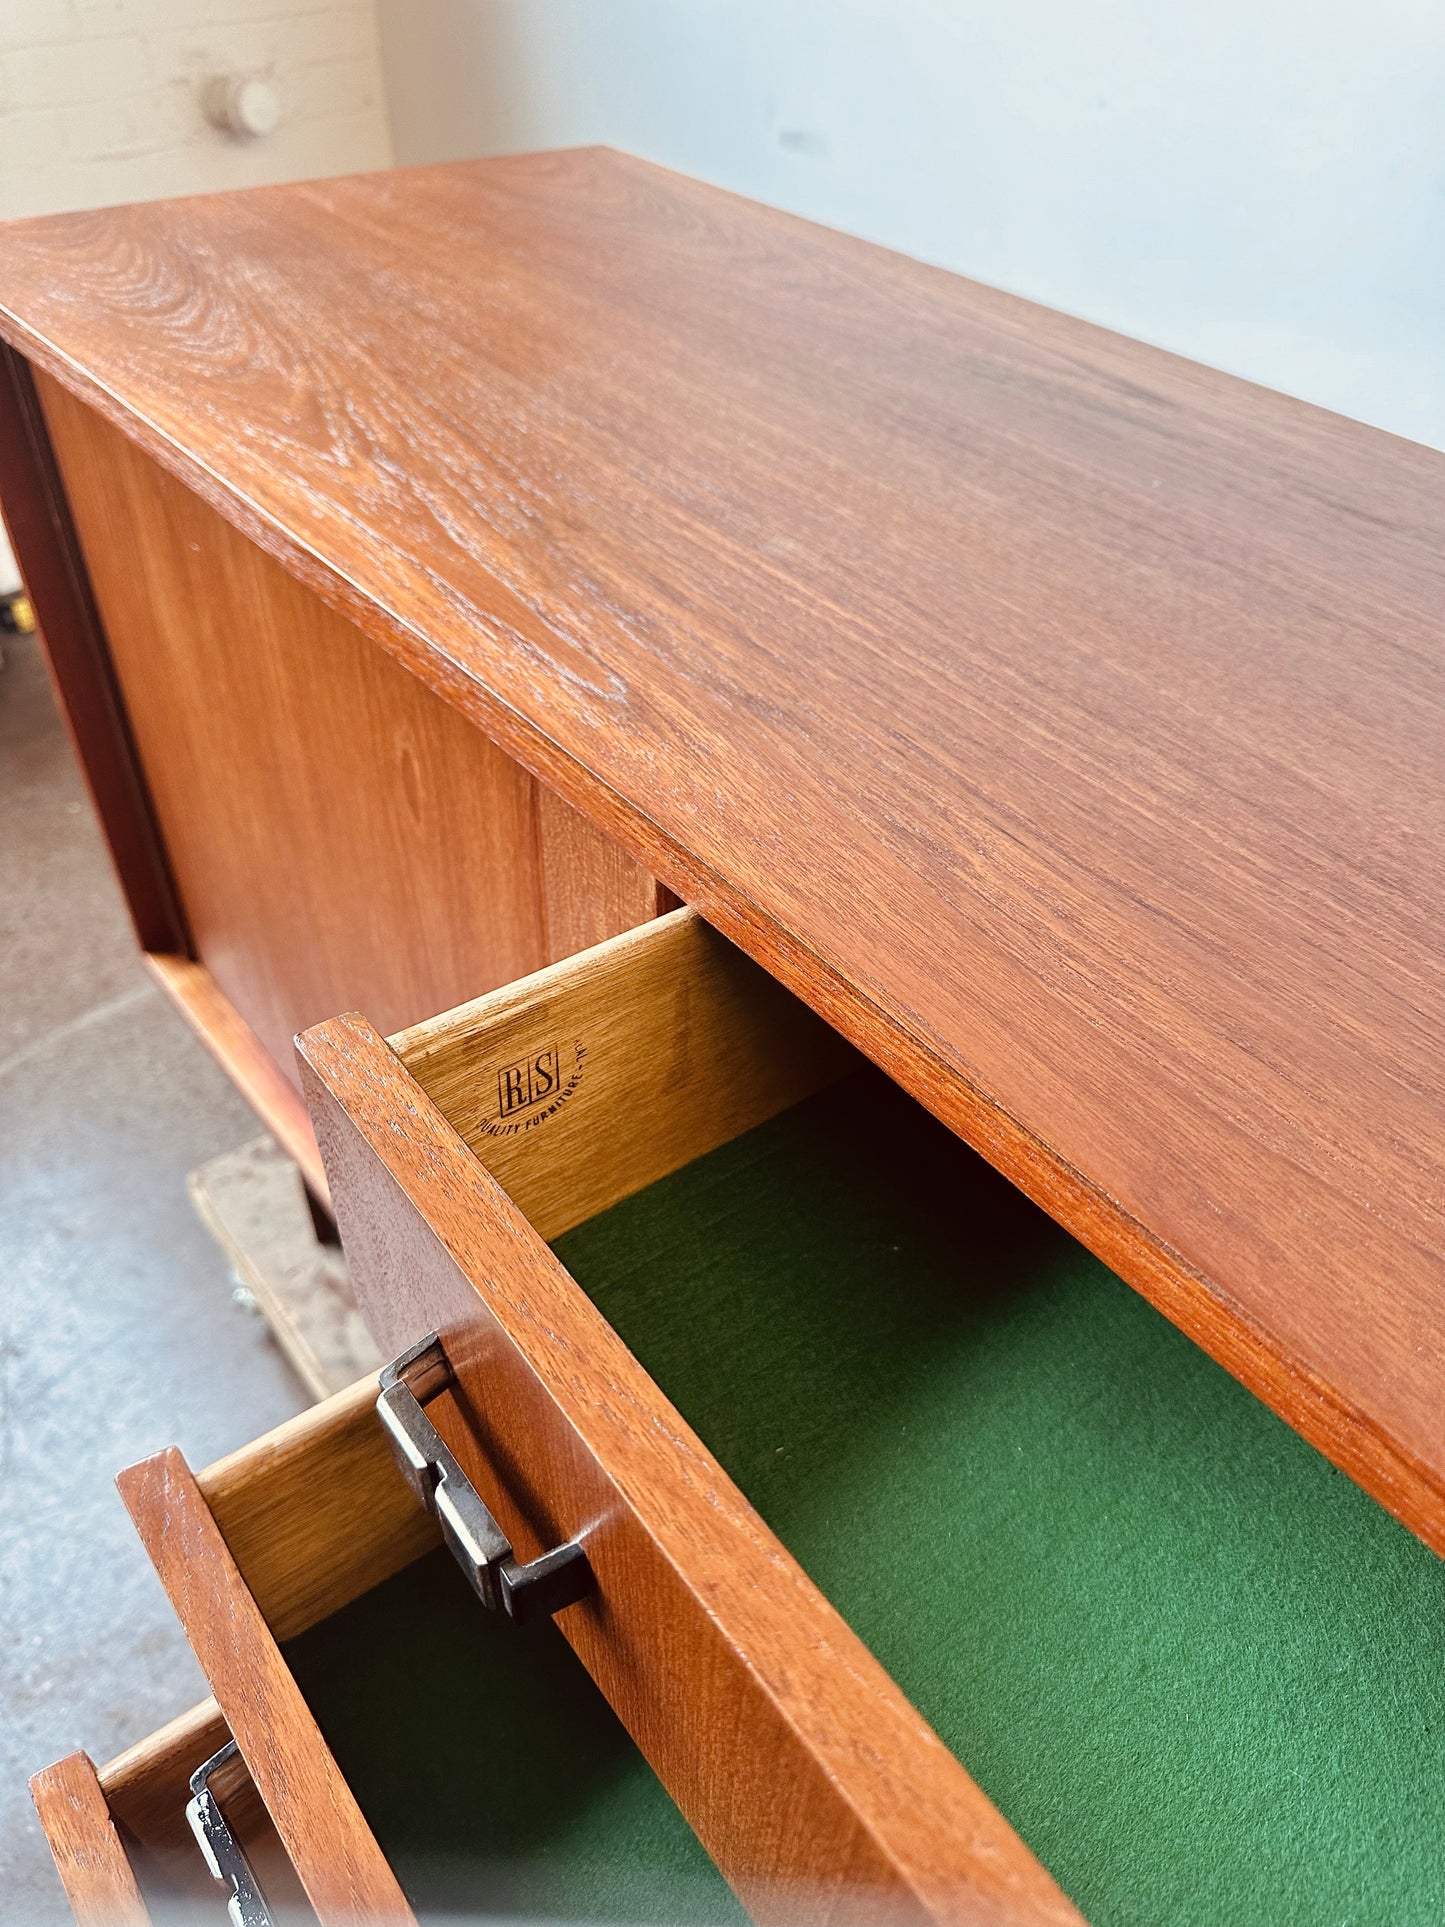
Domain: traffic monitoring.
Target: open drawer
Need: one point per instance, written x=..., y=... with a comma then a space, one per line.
x=171, y=1829
x=419, y=1756
x=727, y=1309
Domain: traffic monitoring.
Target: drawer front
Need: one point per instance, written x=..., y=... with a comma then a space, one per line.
x=90, y=1857
x=258, y=1548
x=120, y=1835
x=366, y=1679
x=814, y=1783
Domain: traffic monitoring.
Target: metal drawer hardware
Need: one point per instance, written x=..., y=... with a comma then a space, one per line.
x=481, y=1548
x=224, y=1853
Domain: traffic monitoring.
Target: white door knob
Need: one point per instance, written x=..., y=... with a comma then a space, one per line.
x=243, y=104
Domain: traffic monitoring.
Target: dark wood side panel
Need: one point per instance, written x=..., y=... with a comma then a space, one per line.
x=338, y=834
x=815, y=1785
x=92, y=1863
x=43, y=537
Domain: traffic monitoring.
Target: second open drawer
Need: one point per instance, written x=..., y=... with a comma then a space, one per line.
x=419, y=1758
x=879, y=1474
x=169, y=1830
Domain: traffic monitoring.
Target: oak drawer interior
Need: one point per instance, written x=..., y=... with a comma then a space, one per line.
x=1195, y=1666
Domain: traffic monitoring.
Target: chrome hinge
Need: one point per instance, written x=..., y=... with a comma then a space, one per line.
x=225, y=1856
x=481, y=1548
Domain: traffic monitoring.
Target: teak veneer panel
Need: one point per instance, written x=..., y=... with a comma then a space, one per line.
x=1060, y=719
x=818, y=1789
x=337, y=834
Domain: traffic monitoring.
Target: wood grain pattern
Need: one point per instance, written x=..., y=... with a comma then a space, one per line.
x=245, y=1060
x=92, y=1863
x=134, y=1846
x=147, y=1786
x=43, y=538
x=338, y=835
x=1057, y=718
x=335, y=1855
x=315, y=1512
x=147, y=1789
x=591, y=888
x=815, y=1785
x=599, y=1075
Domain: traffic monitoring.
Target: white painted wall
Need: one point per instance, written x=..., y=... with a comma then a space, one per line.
x=100, y=99
x=1257, y=183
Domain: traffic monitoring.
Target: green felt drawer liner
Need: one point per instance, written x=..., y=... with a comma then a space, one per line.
x=1198, y=1669
x=496, y=1778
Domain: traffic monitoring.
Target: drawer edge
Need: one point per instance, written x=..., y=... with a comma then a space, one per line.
x=85, y=1842
x=568, y=1438
x=335, y=1855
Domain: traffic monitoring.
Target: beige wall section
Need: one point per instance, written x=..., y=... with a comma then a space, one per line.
x=1257, y=187
x=100, y=100
x=340, y=837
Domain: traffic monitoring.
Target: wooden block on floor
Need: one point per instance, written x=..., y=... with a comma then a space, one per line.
x=253, y=1203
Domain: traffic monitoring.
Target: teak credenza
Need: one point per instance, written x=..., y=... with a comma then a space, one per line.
x=447, y=575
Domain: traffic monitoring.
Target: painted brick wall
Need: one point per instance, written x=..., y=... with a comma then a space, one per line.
x=100, y=99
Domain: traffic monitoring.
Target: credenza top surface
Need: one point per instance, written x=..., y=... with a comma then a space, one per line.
x=1064, y=720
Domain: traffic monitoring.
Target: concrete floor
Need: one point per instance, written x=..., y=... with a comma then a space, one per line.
x=117, y=1331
